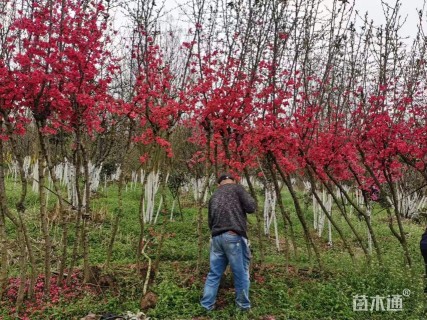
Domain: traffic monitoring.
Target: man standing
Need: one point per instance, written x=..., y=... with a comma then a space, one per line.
x=228, y=224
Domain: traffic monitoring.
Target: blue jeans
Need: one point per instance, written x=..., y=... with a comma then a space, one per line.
x=232, y=249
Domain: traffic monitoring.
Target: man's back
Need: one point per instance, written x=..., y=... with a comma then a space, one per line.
x=227, y=209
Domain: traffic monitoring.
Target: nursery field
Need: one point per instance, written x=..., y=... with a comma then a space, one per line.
x=117, y=119
x=280, y=289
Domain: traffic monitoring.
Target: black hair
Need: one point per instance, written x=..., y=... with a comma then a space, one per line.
x=225, y=176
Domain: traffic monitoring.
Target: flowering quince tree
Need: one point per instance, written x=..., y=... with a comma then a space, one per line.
x=410, y=143
x=367, y=146
x=223, y=99
x=11, y=92
x=249, y=104
x=59, y=64
x=14, y=119
x=155, y=104
x=63, y=71
x=151, y=111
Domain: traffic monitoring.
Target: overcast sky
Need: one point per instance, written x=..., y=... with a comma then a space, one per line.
x=409, y=9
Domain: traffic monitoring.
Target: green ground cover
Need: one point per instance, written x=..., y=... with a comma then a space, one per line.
x=301, y=291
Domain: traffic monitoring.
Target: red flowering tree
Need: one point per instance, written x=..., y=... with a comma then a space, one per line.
x=62, y=67
x=13, y=122
x=267, y=91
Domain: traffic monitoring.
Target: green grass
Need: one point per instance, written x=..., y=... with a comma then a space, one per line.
x=301, y=292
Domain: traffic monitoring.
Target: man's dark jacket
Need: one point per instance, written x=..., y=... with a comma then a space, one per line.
x=227, y=209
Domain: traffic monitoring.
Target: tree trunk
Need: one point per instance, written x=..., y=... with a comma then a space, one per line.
x=3, y=236
x=363, y=214
x=119, y=213
x=401, y=237
x=21, y=240
x=62, y=216
x=140, y=246
x=85, y=215
x=116, y=220
x=43, y=212
x=200, y=203
x=258, y=218
x=44, y=221
x=20, y=206
x=350, y=224
x=165, y=221
x=329, y=216
x=200, y=206
x=287, y=222
x=300, y=214
x=77, y=231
